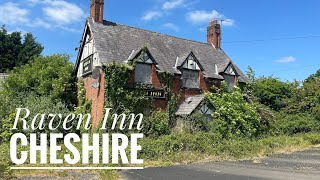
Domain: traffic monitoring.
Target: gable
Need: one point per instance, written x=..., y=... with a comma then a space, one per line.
x=230, y=70
x=144, y=56
x=192, y=63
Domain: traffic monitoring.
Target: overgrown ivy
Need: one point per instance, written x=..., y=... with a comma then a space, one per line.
x=84, y=105
x=173, y=99
x=118, y=95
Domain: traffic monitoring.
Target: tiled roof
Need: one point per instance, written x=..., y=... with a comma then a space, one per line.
x=115, y=42
x=189, y=105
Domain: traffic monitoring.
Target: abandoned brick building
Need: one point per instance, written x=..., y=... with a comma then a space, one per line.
x=197, y=66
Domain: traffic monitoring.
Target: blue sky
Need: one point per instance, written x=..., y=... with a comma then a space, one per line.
x=58, y=25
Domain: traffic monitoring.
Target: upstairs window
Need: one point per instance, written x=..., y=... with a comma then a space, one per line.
x=143, y=73
x=190, y=79
x=143, y=69
x=230, y=76
x=190, y=72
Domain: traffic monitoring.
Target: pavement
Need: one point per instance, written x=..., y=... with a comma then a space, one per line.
x=302, y=165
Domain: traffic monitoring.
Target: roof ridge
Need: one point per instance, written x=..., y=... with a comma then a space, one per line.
x=156, y=32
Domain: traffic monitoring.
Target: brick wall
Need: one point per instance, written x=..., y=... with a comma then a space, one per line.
x=96, y=95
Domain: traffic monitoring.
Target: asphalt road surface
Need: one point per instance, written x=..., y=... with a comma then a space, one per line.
x=302, y=165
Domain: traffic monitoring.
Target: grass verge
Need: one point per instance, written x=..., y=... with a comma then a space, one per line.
x=187, y=148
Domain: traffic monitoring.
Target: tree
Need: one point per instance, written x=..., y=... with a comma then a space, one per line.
x=307, y=97
x=15, y=50
x=313, y=77
x=272, y=92
x=47, y=76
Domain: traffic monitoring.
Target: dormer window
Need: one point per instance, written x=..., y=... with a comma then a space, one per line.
x=143, y=73
x=190, y=72
x=230, y=75
x=143, y=69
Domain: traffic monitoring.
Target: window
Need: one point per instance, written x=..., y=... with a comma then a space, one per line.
x=230, y=80
x=190, y=78
x=143, y=73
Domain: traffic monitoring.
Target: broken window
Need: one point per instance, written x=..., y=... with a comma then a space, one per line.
x=190, y=78
x=143, y=73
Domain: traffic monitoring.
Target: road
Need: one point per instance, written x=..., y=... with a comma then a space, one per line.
x=303, y=165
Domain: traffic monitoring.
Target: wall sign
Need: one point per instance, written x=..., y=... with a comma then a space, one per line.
x=87, y=65
x=157, y=94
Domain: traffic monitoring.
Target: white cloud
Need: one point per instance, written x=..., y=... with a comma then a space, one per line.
x=62, y=12
x=11, y=13
x=57, y=14
x=199, y=17
x=151, y=15
x=168, y=5
x=40, y=23
x=286, y=59
x=171, y=26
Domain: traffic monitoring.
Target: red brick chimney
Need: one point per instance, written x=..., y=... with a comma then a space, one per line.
x=96, y=10
x=214, y=34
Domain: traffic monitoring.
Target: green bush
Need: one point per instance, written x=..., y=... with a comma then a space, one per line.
x=178, y=142
x=4, y=160
x=234, y=116
x=295, y=123
x=197, y=122
x=156, y=124
x=36, y=104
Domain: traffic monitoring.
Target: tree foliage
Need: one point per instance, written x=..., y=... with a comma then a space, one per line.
x=47, y=76
x=272, y=92
x=15, y=50
x=307, y=97
x=234, y=116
